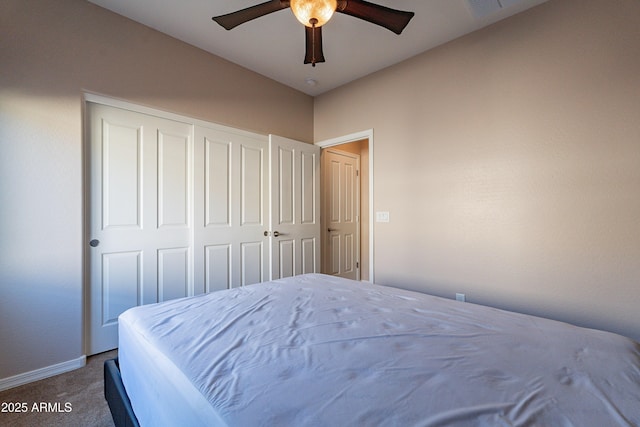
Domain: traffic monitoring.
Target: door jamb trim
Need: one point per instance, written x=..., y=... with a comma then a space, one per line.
x=365, y=134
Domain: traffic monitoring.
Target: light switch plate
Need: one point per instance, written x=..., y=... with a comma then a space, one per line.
x=382, y=216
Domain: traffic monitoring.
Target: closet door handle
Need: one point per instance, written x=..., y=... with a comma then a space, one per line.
x=274, y=234
x=331, y=229
x=94, y=243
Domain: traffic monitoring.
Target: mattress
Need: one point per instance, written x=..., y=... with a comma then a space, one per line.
x=318, y=350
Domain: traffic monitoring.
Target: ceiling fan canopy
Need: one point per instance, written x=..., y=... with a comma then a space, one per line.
x=313, y=14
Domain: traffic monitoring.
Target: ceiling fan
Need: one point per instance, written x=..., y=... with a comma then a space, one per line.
x=313, y=14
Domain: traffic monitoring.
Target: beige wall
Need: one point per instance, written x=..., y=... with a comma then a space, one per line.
x=509, y=161
x=50, y=52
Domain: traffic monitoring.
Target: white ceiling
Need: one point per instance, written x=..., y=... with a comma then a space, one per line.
x=274, y=45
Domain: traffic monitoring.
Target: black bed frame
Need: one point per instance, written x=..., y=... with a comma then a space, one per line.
x=117, y=397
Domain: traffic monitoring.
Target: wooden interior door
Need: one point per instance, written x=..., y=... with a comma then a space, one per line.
x=295, y=207
x=341, y=213
x=140, y=216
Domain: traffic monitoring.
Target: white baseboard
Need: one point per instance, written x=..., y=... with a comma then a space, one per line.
x=42, y=373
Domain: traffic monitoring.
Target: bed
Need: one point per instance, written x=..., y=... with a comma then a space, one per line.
x=317, y=350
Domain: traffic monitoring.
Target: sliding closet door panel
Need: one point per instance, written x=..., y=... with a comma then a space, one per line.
x=139, y=220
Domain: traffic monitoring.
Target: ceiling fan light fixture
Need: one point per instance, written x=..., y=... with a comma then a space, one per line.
x=313, y=13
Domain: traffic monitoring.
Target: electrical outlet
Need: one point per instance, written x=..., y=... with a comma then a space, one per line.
x=460, y=297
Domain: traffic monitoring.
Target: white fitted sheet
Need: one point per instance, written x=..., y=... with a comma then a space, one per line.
x=317, y=350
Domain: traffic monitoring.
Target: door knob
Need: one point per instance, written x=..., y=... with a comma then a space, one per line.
x=277, y=233
x=266, y=234
x=93, y=243
x=331, y=229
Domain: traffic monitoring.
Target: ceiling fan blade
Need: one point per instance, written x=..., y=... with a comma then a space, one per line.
x=313, y=39
x=233, y=19
x=391, y=19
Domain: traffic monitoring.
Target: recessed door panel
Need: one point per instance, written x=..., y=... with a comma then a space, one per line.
x=286, y=181
x=173, y=273
x=217, y=267
x=336, y=254
x=217, y=193
x=335, y=213
x=251, y=194
x=309, y=255
x=349, y=249
x=286, y=251
x=309, y=196
x=348, y=189
x=121, y=175
x=173, y=180
x=121, y=284
x=251, y=262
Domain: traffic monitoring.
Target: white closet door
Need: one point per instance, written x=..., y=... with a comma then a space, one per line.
x=295, y=207
x=140, y=216
x=231, y=209
x=177, y=209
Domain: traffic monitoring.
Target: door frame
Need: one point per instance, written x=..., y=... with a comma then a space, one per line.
x=368, y=135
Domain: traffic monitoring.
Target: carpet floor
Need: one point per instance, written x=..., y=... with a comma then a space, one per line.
x=72, y=399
